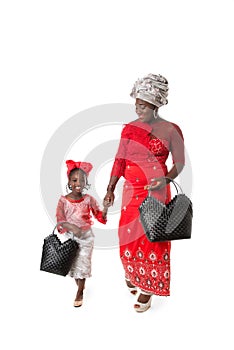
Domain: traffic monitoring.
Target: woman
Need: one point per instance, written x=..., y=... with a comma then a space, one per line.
x=141, y=159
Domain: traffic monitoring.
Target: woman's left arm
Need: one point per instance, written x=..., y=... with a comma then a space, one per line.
x=178, y=157
x=100, y=215
x=159, y=183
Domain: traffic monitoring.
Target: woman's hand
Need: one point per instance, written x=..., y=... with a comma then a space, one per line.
x=109, y=199
x=157, y=184
x=73, y=228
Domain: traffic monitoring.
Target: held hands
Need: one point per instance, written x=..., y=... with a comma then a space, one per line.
x=157, y=184
x=105, y=211
x=108, y=199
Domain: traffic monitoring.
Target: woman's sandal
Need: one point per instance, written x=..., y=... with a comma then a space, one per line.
x=141, y=307
x=132, y=288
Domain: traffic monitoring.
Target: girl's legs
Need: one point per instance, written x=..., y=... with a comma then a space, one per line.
x=81, y=285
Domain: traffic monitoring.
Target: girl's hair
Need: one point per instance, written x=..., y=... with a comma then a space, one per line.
x=87, y=185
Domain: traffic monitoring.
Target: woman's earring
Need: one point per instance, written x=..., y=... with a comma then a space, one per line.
x=155, y=114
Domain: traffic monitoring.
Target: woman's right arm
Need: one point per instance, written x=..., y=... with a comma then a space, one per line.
x=110, y=197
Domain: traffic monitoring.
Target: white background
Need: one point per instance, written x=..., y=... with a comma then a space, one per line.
x=61, y=57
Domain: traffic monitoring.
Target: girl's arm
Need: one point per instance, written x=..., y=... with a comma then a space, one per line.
x=65, y=226
x=72, y=228
x=61, y=217
x=100, y=215
x=104, y=213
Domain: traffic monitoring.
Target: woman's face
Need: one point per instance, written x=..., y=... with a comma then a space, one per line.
x=145, y=111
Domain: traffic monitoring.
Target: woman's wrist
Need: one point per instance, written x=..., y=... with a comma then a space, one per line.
x=168, y=180
x=110, y=188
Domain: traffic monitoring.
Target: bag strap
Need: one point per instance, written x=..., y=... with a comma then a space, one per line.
x=175, y=184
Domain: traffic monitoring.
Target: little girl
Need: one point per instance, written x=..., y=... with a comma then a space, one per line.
x=74, y=211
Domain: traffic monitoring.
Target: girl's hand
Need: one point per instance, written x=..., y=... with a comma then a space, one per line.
x=104, y=212
x=157, y=184
x=73, y=228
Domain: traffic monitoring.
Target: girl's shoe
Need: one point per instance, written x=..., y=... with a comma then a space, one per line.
x=132, y=288
x=78, y=303
x=142, y=307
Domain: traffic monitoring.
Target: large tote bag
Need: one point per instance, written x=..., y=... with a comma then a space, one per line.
x=167, y=222
x=57, y=257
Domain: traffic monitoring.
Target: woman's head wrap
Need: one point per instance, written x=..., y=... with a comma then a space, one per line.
x=151, y=88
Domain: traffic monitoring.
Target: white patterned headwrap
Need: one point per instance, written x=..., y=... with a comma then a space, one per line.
x=151, y=88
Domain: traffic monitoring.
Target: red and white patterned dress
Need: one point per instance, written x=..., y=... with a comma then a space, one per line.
x=141, y=157
x=78, y=212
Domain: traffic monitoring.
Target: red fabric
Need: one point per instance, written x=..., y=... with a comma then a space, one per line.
x=78, y=212
x=86, y=167
x=165, y=136
x=142, y=155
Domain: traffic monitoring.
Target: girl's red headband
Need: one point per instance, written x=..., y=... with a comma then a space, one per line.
x=86, y=167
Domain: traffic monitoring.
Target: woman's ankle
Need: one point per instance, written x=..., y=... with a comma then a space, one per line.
x=129, y=284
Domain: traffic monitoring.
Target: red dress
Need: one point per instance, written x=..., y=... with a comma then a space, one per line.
x=141, y=157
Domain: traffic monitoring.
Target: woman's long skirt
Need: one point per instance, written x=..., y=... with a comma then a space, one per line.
x=146, y=264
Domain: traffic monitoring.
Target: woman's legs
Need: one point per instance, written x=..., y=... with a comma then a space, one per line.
x=131, y=287
x=144, y=298
x=129, y=284
x=143, y=302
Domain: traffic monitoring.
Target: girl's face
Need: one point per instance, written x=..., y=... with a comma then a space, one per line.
x=145, y=111
x=77, y=182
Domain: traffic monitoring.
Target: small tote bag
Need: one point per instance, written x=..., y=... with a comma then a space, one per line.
x=57, y=257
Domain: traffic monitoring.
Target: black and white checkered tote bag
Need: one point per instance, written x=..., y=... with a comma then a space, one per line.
x=167, y=222
x=57, y=257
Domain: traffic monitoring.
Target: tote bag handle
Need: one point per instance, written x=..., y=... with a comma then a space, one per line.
x=62, y=222
x=174, y=183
